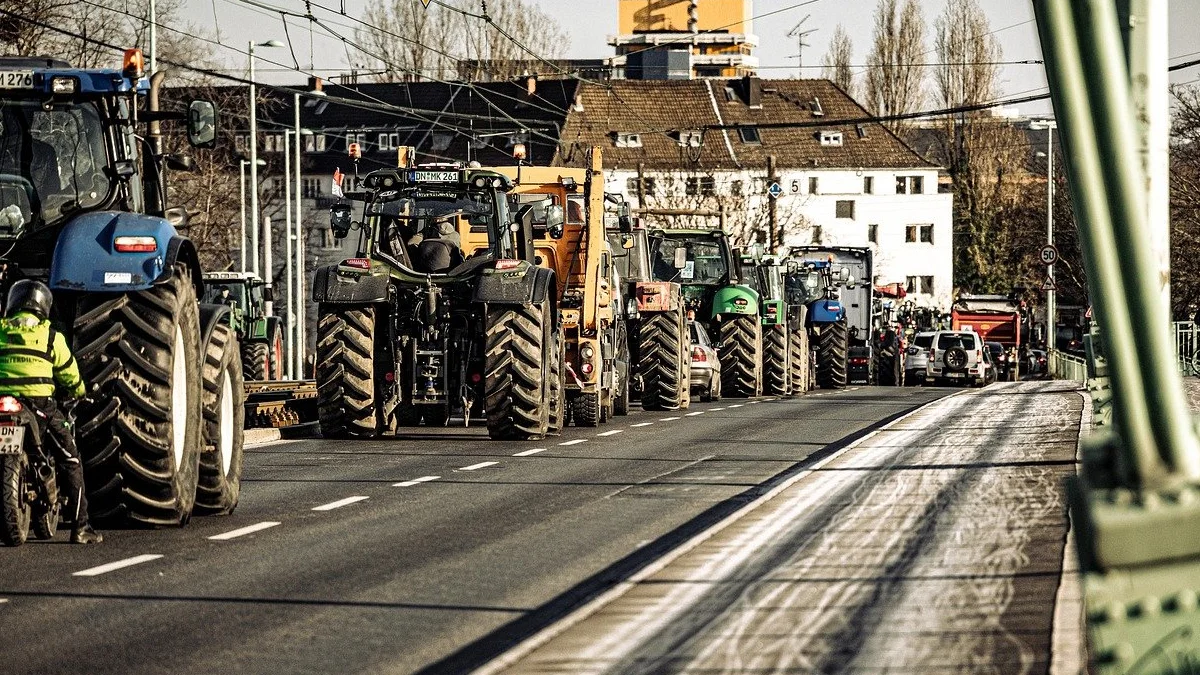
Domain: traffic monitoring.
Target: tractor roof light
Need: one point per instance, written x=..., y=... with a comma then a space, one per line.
x=61, y=85
x=355, y=151
x=520, y=152
x=134, y=65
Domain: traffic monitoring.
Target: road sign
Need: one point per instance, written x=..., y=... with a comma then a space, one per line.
x=1049, y=254
x=1049, y=285
x=774, y=190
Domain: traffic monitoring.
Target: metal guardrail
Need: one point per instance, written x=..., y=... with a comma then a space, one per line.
x=1187, y=347
x=1063, y=366
x=283, y=403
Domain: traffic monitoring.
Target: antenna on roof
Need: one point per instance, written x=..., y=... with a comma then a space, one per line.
x=800, y=43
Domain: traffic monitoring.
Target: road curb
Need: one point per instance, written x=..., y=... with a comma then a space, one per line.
x=260, y=436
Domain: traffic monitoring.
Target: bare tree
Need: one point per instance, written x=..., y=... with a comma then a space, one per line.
x=408, y=41
x=895, y=73
x=967, y=55
x=837, y=61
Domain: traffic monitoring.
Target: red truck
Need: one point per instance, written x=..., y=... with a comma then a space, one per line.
x=995, y=318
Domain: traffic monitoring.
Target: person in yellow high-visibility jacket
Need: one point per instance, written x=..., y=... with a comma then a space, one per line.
x=37, y=367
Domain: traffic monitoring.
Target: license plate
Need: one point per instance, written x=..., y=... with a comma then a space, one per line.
x=435, y=176
x=16, y=79
x=954, y=374
x=12, y=440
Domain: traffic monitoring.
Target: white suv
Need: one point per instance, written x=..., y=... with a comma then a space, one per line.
x=916, y=359
x=956, y=356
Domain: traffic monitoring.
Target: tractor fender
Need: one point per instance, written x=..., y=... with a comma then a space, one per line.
x=735, y=300
x=211, y=316
x=86, y=259
x=331, y=287
x=826, y=311
x=517, y=286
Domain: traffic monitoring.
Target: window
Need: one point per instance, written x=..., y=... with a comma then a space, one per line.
x=862, y=130
x=273, y=143
x=873, y=233
x=691, y=139
x=830, y=138
x=241, y=142
x=388, y=141
x=629, y=140
x=910, y=185
x=816, y=108
x=918, y=233
x=844, y=208
x=812, y=185
x=735, y=188
x=749, y=135
x=868, y=185
x=701, y=185
x=920, y=284
x=314, y=143
x=311, y=188
x=327, y=239
x=631, y=186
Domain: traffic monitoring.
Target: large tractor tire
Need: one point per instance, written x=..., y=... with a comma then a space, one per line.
x=586, y=410
x=15, y=512
x=220, y=481
x=741, y=356
x=143, y=432
x=346, y=384
x=558, y=387
x=624, y=367
x=833, y=348
x=519, y=340
x=776, y=371
x=662, y=345
x=799, y=365
x=255, y=361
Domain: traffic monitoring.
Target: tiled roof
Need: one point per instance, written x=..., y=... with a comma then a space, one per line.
x=654, y=108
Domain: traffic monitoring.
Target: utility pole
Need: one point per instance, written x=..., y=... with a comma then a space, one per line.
x=154, y=37
x=300, y=307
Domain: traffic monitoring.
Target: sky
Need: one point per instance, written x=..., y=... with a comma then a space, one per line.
x=590, y=22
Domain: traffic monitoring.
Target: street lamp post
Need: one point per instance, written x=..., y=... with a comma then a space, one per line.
x=294, y=302
x=254, y=154
x=242, y=211
x=1051, y=321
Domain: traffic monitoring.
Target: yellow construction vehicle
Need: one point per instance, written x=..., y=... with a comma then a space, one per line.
x=568, y=237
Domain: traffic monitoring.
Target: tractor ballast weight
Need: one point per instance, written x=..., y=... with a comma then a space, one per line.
x=83, y=184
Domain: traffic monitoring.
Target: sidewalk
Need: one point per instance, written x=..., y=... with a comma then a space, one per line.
x=935, y=544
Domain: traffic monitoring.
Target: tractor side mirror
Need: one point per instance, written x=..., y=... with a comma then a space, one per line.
x=202, y=124
x=340, y=217
x=177, y=216
x=179, y=162
x=627, y=242
x=554, y=221
x=680, y=258
x=625, y=222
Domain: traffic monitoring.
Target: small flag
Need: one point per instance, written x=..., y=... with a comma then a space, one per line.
x=337, y=183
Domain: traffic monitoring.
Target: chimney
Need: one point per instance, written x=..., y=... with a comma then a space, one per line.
x=531, y=86
x=694, y=16
x=753, y=87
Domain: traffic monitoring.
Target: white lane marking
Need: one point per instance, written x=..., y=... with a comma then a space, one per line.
x=736, y=405
x=643, y=424
x=339, y=503
x=527, y=453
x=577, y=441
x=242, y=531
x=3, y=600
x=415, y=481
x=754, y=402
x=698, y=412
x=714, y=409
x=668, y=419
x=478, y=466
x=109, y=567
x=614, y=432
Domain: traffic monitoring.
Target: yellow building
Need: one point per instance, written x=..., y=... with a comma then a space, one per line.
x=715, y=34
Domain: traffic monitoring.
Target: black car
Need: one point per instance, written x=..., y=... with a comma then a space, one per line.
x=1001, y=362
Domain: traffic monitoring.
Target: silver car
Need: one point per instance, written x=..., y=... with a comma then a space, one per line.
x=706, y=367
x=916, y=357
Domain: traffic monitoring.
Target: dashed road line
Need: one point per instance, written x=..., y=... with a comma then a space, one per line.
x=577, y=441
x=527, y=453
x=340, y=503
x=714, y=409
x=668, y=419
x=242, y=531
x=693, y=414
x=735, y=405
x=642, y=424
x=614, y=432
x=3, y=601
x=116, y=565
x=478, y=466
x=415, y=481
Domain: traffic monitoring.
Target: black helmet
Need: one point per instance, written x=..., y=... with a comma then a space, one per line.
x=28, y=295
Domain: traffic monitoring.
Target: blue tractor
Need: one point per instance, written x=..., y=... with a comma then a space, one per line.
x=83, y=185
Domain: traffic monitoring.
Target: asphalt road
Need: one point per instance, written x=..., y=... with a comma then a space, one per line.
x=432, y=551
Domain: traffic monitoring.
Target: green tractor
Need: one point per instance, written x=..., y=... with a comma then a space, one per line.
x=261, y=336
x=785, y=339
x=717, y=295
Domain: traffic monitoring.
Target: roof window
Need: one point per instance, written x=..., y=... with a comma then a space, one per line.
x=831, y=138
x=750, y=135
x=691, y=139
x=629, y=140
x=816, y=108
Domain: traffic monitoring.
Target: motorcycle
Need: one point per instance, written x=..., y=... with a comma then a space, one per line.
x=29, y=494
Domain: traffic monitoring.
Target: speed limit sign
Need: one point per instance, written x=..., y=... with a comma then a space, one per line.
x=1049, y=254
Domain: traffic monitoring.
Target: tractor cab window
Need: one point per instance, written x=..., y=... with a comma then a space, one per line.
x=690, y=260
x=421, y=226
x=772, y=282
x=225, y=294
x=540, y=203
x=630, y=258
x=52, y=161
x=574, y=209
